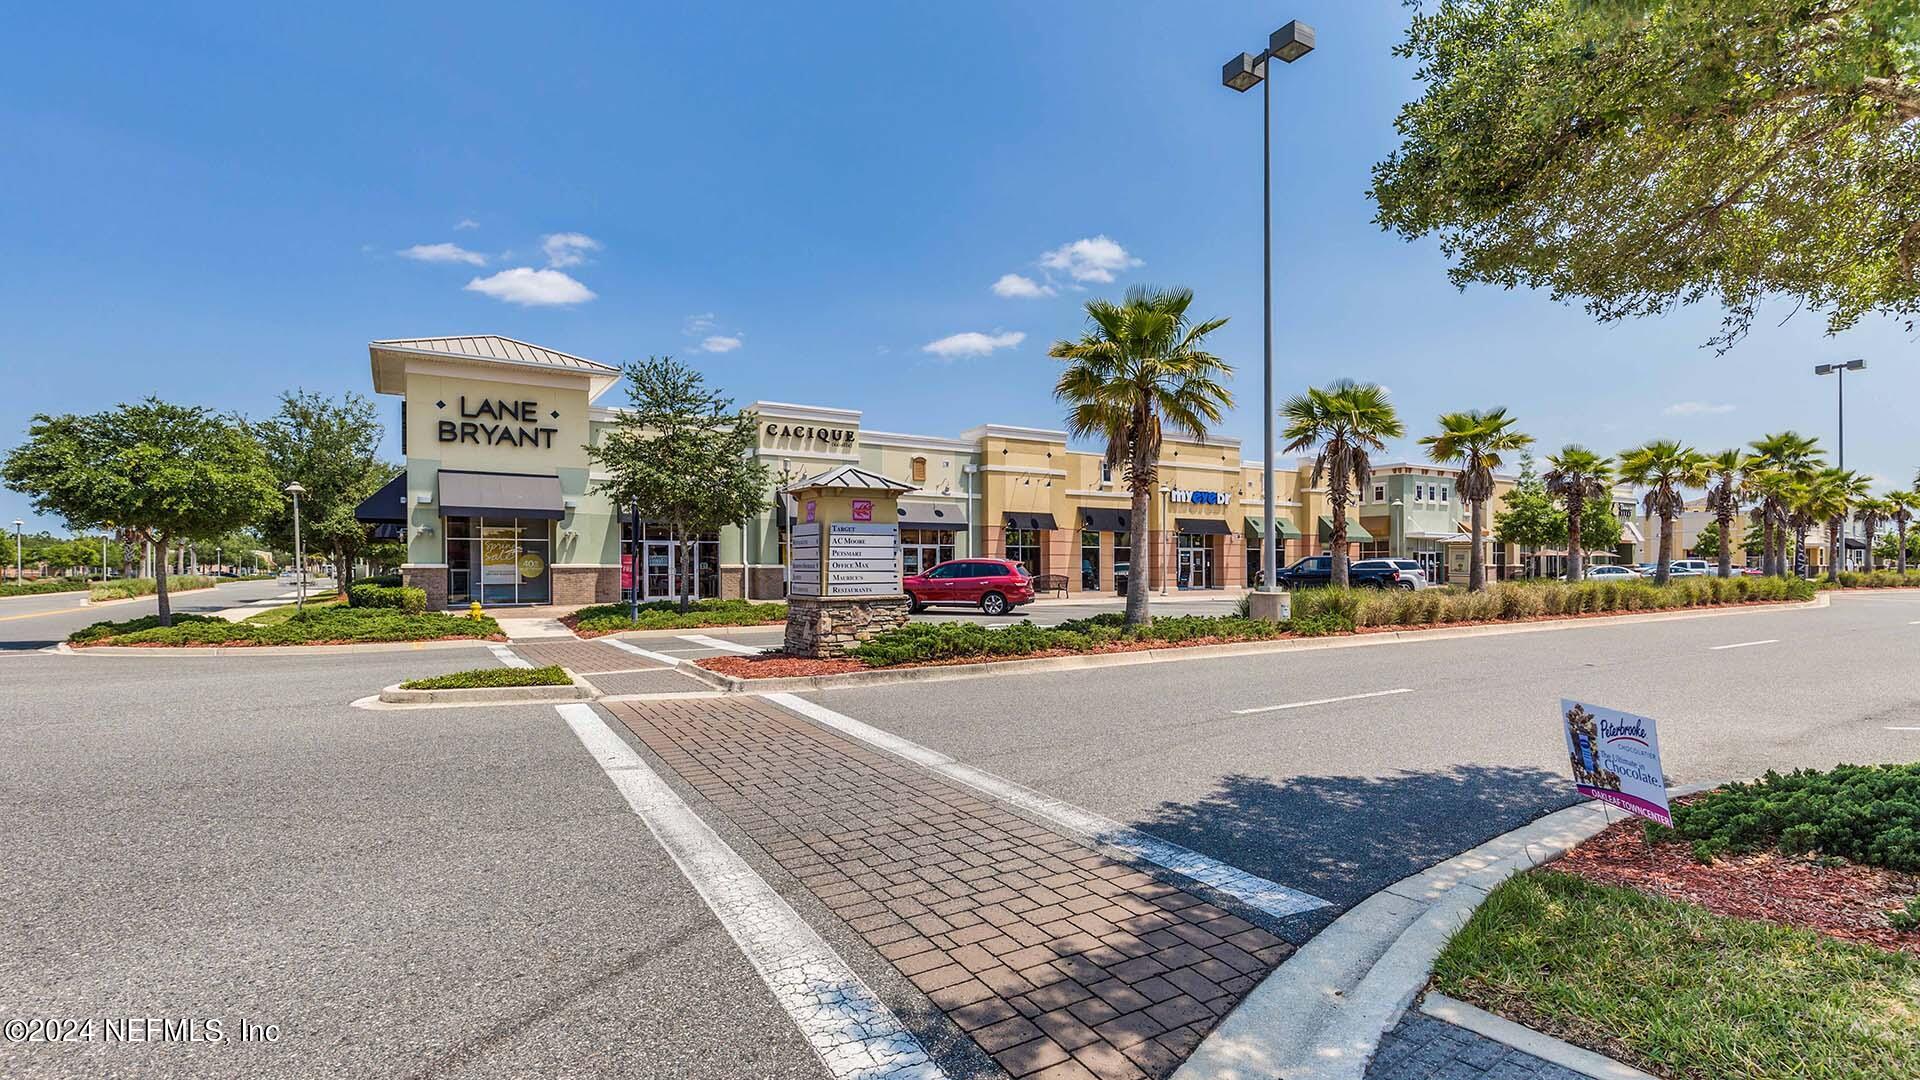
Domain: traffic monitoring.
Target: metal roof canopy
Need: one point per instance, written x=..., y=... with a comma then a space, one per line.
x=851, y=478
x=482, y=349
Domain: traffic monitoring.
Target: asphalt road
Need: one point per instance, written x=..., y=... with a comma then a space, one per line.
x=1342, y=798
x=32, y=622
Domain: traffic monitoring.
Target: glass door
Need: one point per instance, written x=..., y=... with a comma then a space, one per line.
x=659, y=570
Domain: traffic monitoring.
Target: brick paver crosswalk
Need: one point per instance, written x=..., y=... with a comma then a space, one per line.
x=584, y=657
x=1059, y=962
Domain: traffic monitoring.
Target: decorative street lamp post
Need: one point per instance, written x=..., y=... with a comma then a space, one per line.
x=19, y=559
x=1289, y=43
x=1839, y=371
x=299, y=553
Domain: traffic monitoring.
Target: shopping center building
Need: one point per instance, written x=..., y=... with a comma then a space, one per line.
x=497, y=501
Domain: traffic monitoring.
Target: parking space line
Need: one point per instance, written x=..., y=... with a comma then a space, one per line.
x=1322, y=701
x=853, y=1032
x=723, y=646
x=1904, y=729
x=1257, y=892
x=1743, y=644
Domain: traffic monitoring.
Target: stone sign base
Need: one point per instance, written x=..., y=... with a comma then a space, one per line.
x=825, y=627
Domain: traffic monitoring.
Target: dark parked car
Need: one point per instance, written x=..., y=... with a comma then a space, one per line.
x=996, y=585
x=1318, y=570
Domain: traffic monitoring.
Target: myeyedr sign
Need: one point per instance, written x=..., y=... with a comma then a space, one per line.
x=1616, y=759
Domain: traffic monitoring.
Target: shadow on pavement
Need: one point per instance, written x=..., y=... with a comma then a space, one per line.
x=1344, y=838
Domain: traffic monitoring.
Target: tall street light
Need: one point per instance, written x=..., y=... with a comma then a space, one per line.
x=299, y=556
x=1242, y=73
x=19, y=559
x=1840, y=373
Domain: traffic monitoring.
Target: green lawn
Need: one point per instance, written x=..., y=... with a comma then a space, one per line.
x=1681, y=992
x=665, y=615
x=551, y=675
x=276, y=616
x=325, y=624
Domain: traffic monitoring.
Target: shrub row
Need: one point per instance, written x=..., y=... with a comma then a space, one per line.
x=665, y=615
x=128, y=588
x=1515, y=600
x=389, y=581
x=922, y=642
x=315, y=625
x=411, y=601
x=551, y=675
x=44, y=585
x=1879, y=579
x=1865, y=813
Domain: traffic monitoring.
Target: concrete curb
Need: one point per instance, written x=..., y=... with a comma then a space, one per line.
x=1320, y=1015
x=489, y=695
x=176, y=651
x=948, y=672
x=1528, y=1041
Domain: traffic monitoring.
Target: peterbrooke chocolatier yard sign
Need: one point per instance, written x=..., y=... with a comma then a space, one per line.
x=497, y=422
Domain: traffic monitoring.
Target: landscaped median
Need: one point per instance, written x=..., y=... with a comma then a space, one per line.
x=489, y=686
x=1875, y=579
x=44, y=586
x=1774, y=932
x=129, y=588
x=603, y=619
x=1316, y=613
x=325, y=624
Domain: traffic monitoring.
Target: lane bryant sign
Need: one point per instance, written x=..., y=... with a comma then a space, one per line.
x=804, y=431
x=473, y=428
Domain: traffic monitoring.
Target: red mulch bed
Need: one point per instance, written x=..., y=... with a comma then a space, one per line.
x=1844, y=901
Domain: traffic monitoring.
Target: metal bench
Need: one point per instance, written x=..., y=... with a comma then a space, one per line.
x=1051, y=583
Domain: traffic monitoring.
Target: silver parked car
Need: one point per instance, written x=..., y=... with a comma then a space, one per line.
x=1612, y=572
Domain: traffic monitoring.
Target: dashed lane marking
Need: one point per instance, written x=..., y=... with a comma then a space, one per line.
x=1743, y=644
x=1322, y=701
x=855, y=1034
x=723, y=646
x=1269, y=896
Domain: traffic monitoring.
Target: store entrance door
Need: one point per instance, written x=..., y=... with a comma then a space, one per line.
x=663, y=571
x=1195, y=568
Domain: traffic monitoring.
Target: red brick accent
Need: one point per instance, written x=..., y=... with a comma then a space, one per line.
x=1056, y=960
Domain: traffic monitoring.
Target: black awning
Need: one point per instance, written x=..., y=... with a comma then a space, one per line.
x=388, y=506
x=1030, y=521
x=1855, y=544
x=1102, y=520
x=482, y=494
x=1202, y=526
x=929, y=515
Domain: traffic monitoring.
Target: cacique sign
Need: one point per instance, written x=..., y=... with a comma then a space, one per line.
x=498, y=422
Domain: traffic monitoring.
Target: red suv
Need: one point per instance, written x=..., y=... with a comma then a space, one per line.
x=997, y=585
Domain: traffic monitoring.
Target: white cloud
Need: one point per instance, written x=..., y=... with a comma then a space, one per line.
x=532, y=288
x=1096, y=258
x=1696, y=408
x=568, y=248
x=972, y=343
x=443, y=253
x=465, y=223
x=719, y=343
x=697, y=325
x=1020, y=287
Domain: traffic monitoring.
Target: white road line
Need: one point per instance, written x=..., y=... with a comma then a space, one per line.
x=723, y=646
x=1904, y=729
x=1743, y=644
x=855, y=1034
x=509, y=657
x=1269, y=896
x=1322, y=701
x=659, y=658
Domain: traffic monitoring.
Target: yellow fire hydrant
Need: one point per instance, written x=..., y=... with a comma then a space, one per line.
x=473, y=610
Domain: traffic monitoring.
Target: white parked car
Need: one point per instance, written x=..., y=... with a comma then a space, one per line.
x=1611, y=572
x=1405, y=573
x=1696, y=566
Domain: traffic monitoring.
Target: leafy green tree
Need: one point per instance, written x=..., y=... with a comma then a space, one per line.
x=1600, y=530
x=1347, y=422
x=1726, y=493
x=157, y=470
x=1142, y=366
x=332, y=449
x=682, y=454
x=1645, y=154
x=1577, y=476
x=1531, y=518
x=1475, y=442
x=1664, y=468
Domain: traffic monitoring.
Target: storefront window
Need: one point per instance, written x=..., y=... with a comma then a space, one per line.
x=1089, y=560
x=923, y=549
x=662, y=566
x=499, y=560
x=1023, y=547
x=1122, y=560
x=1194, y=562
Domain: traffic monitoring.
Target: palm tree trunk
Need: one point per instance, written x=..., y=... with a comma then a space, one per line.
x=1477, y=556
x=1576, y=561
x=1903, y=547
x=1339, y=548
x=1873, y=560
x=1663, y=567
x=1138, y=583
x=1726, y=543
x=1833, y=549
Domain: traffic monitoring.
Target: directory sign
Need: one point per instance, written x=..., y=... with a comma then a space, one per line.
x=863, y=559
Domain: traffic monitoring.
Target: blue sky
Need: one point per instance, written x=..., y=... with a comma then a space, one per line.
x=214, y=203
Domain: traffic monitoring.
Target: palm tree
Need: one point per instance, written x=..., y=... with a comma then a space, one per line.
x=1577, y=476
x=1142, y=366
x=1838, y=492
x=1794, y=456
x=1727, y=472
x=1347, y=421
x=1475, y=441
x=1663, y=467
x=1872, y=513
x=1905, y=504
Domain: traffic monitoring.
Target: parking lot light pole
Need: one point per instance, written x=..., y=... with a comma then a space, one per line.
x=19, y=559
x=1289, y=43
x=299, y=557
x=1839, y=371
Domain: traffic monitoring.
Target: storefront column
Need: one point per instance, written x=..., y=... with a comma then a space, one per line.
x=1231, y=555
x=1060, y=555
x=993, y=542
x=1106, y=562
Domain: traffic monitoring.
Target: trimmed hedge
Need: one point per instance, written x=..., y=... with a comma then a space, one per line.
x=128, y=588
x=551, y=675
x=1868, y=814
x=390, y=581
x=1523, y=600
x=314, y=626
x=411, y=601
x=665, y=615
x=1879, y=579
x=922, y=642
x=45, y=585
